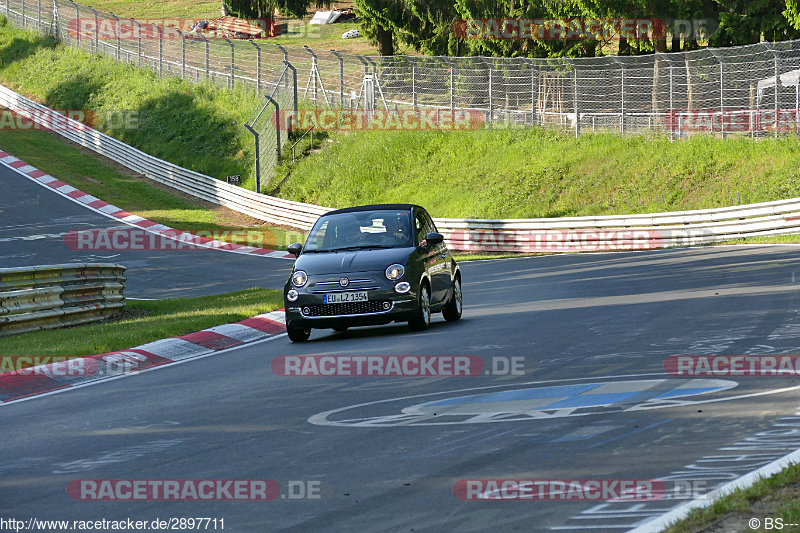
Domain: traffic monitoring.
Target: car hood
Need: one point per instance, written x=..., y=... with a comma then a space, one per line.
x=351, y=261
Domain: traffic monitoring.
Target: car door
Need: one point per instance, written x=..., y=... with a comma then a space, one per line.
x=435, y=258
x=441, y=276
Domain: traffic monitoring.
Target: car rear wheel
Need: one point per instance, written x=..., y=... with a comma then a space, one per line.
x=298, y=334
x=423, y=315
x=452, y=311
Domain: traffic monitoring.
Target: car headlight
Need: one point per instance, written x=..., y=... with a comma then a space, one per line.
x=292, y=295
x=299, y=278
x=395, y=271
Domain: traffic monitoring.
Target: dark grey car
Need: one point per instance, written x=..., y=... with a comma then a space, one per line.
x=370, y=265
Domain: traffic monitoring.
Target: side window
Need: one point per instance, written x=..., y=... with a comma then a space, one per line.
x=422, y=224
x=431, y=225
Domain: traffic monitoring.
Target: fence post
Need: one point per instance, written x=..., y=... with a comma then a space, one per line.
x=24, y=24
x=575, y=99
x=39, y=15
x=341, y=77
x=183, y=53
x=208, y=53
x=285, y=60
x=258, y=65
x=258, y=157
x=314, y=71
x=233, y=64
x=96, y=29
x=622, y=94
x=777, y=82
x=117, y=32
x=160, y=49
x=450, y=64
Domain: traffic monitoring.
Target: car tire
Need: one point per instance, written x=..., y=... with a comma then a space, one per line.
x=452, y=310
x=422, y=318
x=298, y=334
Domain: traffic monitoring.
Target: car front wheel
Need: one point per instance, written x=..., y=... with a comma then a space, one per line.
x=298, y=334
x=452, y=310
x=423, y=315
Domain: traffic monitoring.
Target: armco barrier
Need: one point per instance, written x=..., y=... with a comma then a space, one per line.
x=565, y=234
x=53, y=296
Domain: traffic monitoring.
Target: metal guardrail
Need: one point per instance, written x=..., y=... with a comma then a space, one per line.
x=54, y=296
x=260, y=206
x=645, y=231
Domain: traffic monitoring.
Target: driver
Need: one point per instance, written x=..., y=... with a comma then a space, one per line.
x=397, y=231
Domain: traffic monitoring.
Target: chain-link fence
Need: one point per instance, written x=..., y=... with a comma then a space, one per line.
x=269, y=125
x=748, y=90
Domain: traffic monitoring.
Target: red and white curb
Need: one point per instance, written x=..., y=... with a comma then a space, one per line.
x=81, y=371
x=104, y=208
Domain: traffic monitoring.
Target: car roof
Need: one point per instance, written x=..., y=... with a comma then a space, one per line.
x=375, y=207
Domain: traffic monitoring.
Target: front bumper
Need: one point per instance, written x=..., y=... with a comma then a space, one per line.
x=385, y=305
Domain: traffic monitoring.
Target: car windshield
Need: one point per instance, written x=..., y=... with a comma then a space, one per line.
x=360, y=230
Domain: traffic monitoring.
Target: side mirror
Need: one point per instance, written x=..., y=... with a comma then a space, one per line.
x=295, y=248
x=434, y=238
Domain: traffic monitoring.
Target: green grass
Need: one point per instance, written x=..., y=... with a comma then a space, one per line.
x=536, y=172
x=85, y=172
x=195, y=9
x=161, y=319
x=194, y=125
x=774, y=497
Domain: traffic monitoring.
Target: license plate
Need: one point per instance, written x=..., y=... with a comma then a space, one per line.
x=342, y=297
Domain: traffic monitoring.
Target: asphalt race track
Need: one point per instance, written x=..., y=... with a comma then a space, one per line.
x=383, y=454
x=34, y=221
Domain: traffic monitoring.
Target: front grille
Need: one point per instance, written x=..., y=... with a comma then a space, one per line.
x=347, y=308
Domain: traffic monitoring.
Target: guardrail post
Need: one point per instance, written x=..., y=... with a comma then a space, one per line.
x=24, y=22
x=39, y=15
x=258, y=65
x=341, y=77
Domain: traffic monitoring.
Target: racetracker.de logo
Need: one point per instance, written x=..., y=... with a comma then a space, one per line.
x=559, y=489
x=47, y=119
x=134, y=239
x=378, y=119
x=103, y=28
x=173, y=489
x=556, y=240
x=738, y=120
x=581, y=29
x=732, y=365
x=395, y=366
